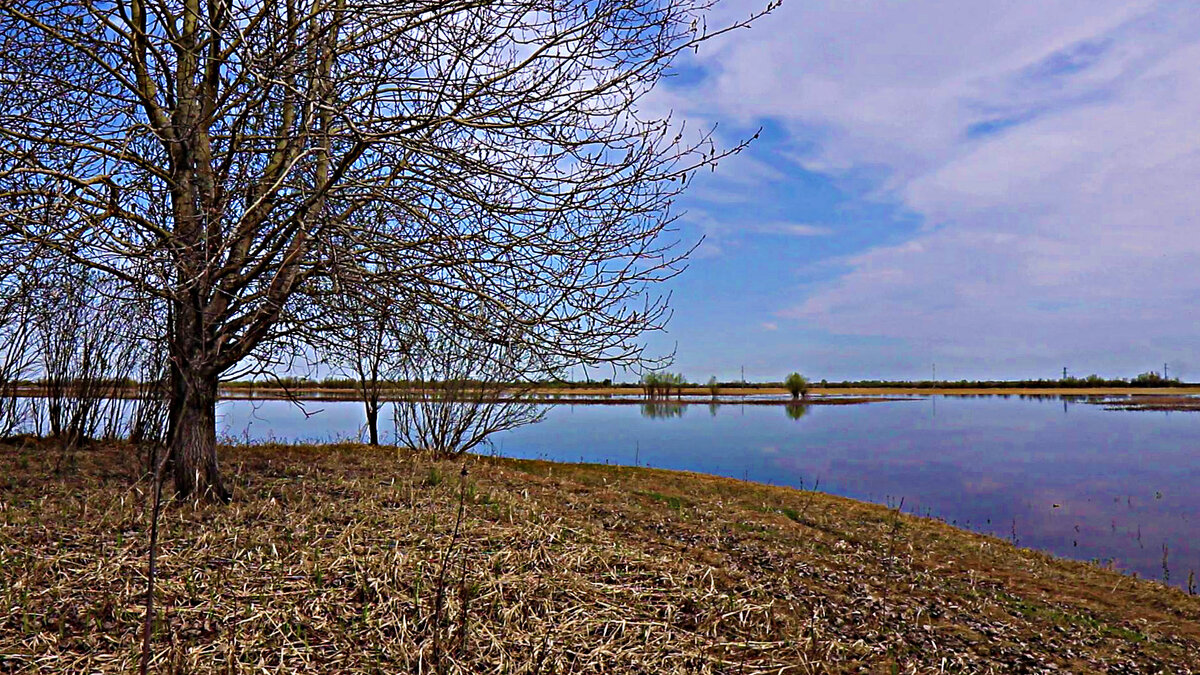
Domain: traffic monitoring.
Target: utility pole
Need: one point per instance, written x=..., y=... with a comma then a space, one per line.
x=935, y=372
x=1164, y=371
x=743, y=374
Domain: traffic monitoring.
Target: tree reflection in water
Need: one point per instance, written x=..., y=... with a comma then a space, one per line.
x=662, y=409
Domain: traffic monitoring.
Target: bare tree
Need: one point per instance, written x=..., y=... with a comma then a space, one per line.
x=16, y=357
x=84, y=351
x=459, y=391
x=211, y=155
x=148, y=416
x=363, y=338
x=67, y=353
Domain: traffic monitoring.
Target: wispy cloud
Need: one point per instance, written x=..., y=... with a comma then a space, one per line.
x=790, y=229
x=1051, y=148
x=722, y=233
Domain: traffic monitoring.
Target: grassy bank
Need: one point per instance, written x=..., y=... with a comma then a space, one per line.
x=350, y=559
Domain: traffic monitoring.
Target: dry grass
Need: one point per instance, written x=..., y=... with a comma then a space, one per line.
x=344, y=559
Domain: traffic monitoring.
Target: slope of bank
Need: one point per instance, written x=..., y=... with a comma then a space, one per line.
x=351, y=559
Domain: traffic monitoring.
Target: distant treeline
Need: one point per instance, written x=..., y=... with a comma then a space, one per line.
x=1091, y=381
x=103, y=382
x=1149, y=379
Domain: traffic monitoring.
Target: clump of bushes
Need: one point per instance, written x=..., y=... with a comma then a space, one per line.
x=660, y=385
x=797, y=385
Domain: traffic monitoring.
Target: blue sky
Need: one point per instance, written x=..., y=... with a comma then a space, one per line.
x=1002, y=189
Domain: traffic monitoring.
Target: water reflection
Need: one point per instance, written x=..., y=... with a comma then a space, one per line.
x=796, y=410
x=663, y=409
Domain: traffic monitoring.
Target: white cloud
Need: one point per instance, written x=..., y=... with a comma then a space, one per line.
x=769, y=325
x=791, y=229
x=1053, y=149
x=722, y=234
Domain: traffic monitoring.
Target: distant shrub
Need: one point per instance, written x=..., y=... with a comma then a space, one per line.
x=1153, y=379
x=650, y=384
x=797, y=384
x=660, y=385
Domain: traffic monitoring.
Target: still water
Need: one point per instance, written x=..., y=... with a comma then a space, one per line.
x=1069, y=478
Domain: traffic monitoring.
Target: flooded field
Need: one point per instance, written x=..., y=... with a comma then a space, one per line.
x=1074, y=479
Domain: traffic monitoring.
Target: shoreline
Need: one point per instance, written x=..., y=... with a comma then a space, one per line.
x=584, y=399
x=816, y=393
x=731, y=395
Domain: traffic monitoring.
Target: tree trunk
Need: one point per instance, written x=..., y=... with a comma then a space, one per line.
x=194, y=437
x=373, y=420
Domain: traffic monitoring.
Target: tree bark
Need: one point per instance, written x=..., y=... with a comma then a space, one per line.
x=194, y=436
x=373, y=420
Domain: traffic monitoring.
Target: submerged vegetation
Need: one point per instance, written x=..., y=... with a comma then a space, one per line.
x=357, y=560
